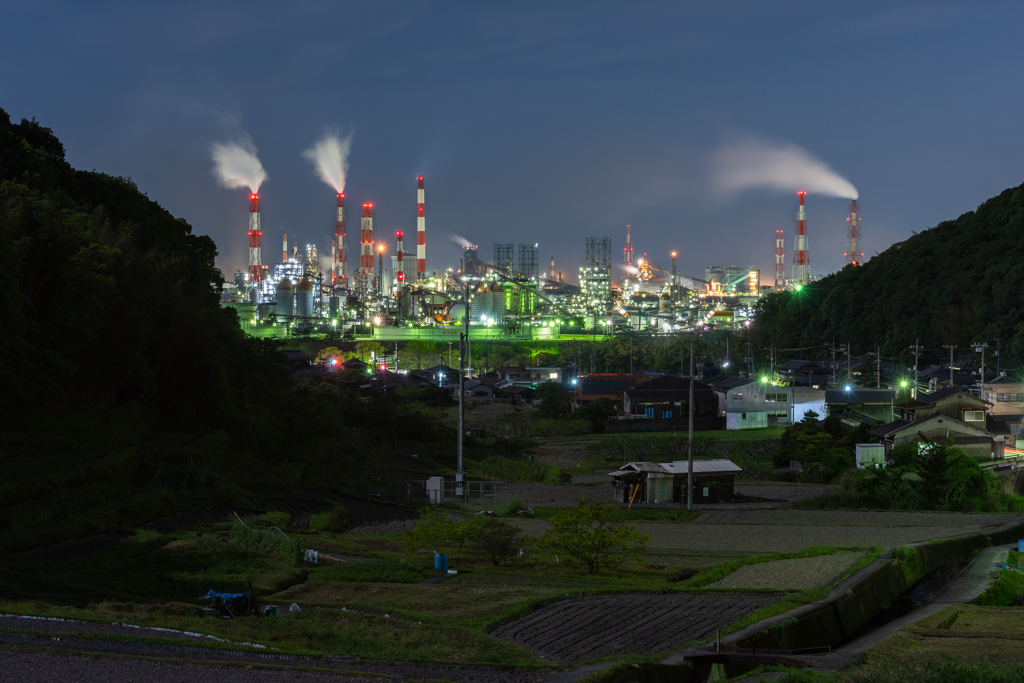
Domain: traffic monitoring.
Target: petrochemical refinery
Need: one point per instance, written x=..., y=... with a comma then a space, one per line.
x=391, y=295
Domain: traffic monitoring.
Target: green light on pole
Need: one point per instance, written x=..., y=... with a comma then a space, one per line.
x=798, y=287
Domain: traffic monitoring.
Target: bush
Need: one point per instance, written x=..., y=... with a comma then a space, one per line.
x=902, y=553
x=276, y=518
x=334, y=520
x=271, y=541
x=587, y=535
x=498, y=540
x=437, y=530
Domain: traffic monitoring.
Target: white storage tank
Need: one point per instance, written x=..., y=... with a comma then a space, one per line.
x=304, y=299
x=285, y=299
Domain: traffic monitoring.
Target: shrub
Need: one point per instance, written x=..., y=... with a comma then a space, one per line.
x=588, y=536
x=498, y=540
x=334, y=520
x=271, y=541
x=276, y=518
x=902, y=553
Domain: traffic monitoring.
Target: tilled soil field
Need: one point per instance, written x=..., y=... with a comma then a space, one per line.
x=573, y=631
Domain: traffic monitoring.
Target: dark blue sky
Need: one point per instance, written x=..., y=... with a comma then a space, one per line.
x=535, y=121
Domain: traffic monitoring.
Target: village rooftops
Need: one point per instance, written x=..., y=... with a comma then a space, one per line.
x=716, y=466
x=843, y=397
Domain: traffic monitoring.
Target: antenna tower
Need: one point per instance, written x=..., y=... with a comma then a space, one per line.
x=780, y=267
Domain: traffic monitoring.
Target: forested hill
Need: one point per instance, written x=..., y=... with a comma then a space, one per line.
x=107, y=302
x=957, y=283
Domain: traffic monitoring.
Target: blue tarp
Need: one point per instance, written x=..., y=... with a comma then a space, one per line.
x=223, y=596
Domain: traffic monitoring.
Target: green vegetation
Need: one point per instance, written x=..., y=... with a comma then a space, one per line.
x=922, y=476
x=270, y=540
x=336, y=519
x=719, y=571
x=587, y=535
x=952, y=284
x=945, y=670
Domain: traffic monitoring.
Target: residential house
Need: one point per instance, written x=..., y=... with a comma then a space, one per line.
x=856, y=406
x=667, y=398
x=666, y=482
x=752, y=404
x=949, y=412
x=610, y=386
x=803, y=372
x=1006, y=403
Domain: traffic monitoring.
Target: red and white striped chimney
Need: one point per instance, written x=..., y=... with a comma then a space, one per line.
x=255, y=262
x=801, y=255
x=284, y=249
x=366, y=248
x=400, y=269
x=421, y=233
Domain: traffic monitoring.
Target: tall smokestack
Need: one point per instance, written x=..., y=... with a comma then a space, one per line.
x=421, y=232
x=400, y=269
x=339, y=250
x=780, y=267
x=854, y=256
x=255, y=262
x=801, y=256
x=551, y=270
x=284, y=249
x=366, y=248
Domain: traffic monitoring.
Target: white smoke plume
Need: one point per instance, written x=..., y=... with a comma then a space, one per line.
x=753, y=163
x=461, y=241
x=236, y=165
x=330, y=157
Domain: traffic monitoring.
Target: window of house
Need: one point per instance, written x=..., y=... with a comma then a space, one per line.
x=667, y=414
x=649, y=412
x=775, y=398
x=1009, y=398
x=974, y=416
x=737, y=395
x=743, y=416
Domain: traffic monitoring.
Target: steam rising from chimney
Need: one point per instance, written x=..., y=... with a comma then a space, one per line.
x=330, y=157
x=751, y=163
x=461, y=241
x=236, y=165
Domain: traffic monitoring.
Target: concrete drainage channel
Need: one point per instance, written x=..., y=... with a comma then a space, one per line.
x=835, y=632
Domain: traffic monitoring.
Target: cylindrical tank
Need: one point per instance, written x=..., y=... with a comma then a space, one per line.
x=457, y=312
x=304, y=299
x=665, y=303
x=334, y=305
x=285, y=299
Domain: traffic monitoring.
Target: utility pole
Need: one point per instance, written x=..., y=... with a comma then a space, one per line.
x=689, y=449
x=978, y=346
x=916, y=348
x=997, y=357
x=460, y=473
x=849, y=364
x=833, y=362
x=950, y=347
x=878, y=368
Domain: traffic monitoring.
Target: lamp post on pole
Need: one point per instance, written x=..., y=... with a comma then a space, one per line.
x=689, y=449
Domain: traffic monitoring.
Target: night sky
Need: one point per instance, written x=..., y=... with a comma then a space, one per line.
x=535, y=121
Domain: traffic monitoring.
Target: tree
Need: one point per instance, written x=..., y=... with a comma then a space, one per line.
x=437, y=530
x=499, y=540
x=555, y=400
x=588, y=536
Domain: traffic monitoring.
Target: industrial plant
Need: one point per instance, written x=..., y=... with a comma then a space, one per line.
x=391, y=295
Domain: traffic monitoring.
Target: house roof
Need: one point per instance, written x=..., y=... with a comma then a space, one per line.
x=922, y=425
x=936, y=396
x=605, y=385
x=843, y=397
x=995, y=425
x=800, y=366
x=732, y=383
x=891, y=428
x=666, y=388
x=715, y=466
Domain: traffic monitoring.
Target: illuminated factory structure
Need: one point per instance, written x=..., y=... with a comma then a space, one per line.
x=392, y=296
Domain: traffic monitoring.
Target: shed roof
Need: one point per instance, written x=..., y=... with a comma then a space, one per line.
x=715, y=466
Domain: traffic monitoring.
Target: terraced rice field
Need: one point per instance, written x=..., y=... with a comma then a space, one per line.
x=805, y=573
x=574, y=631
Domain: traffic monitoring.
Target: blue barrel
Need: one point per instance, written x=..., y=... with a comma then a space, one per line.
x=441, y=563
